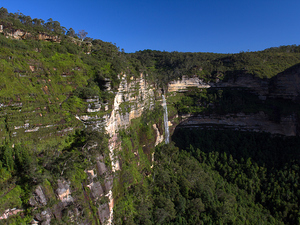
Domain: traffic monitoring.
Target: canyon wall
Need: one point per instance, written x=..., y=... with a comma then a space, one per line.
x=132, y=97
x=259, y=122
x=285, y=85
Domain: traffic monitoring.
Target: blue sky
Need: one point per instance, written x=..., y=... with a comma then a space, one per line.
x=175, y=25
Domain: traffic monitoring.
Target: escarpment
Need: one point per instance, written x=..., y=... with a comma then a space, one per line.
x=81, y=123
x=258, y=112
x=132, y=97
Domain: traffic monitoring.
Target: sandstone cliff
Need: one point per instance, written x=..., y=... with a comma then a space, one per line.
x=132, y=97
x=253, y=122
x=283, y=86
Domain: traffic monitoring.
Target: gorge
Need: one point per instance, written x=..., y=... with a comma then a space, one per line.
x=93, y=135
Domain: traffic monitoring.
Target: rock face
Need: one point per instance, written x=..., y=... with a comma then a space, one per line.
x=94, y=104
x=39, y=197
x=253, y=122
x=10, y=212
x=44, y=217
x=132, y=97
x=181, y=85
x=96, y=190
x=257, y=85
x=260, y=86
x=286, y=84
x=63, y=192
x=101, y=168
x=103, y=213
x=130, y=100
x=19, y=35
x=159, y=137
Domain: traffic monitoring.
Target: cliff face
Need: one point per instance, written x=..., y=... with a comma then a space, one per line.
x=260, y=86
x=130, y=100
x=253, y=122
x=181, y=85
x=132, y=97
x=285, y=85
x=20, y=35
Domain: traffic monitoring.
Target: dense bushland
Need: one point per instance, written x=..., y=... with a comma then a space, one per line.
x=206, y=177
x=216, y=177
x=21, y=170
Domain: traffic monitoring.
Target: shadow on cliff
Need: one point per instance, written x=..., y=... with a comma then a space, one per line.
x=263, y=148
x=277, y=97
x=286, y=84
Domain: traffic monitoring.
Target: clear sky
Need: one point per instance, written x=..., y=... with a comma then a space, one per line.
x=175, y=25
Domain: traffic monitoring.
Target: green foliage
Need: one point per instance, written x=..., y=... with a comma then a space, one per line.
x=163, y=67
x=11, y=198
x=181, y=190
x=22, y=169
x=254, y=162
x=222, y=178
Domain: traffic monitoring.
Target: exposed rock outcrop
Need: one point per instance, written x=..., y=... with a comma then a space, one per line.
x=39, y=198
x=20, y=35
x=63, y=192
x=94, y=104
x=254, y=122
x=10, y=212
x=186, y=82
x=132, y=97
x=286, y=84
x=104, y=213
x=135, y=96
x=159, y=137
x=44, y=217
x=130, y=100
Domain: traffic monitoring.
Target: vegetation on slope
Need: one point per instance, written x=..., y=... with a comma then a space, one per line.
x=21, y=170
x=214, y=177
x=167, y=66
x=46, y=83
x=210, y=182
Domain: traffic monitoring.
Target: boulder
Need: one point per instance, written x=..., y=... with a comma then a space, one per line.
x=97, y=190
x=38, y=198
x=103, y=212
x=64, y=192
x=101, y=168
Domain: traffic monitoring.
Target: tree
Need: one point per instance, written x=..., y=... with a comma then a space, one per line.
x=71, y=32
x=82, y=34
x=88, y=39
x=49, y=24
x=3, y=13
x=25, y=19
x=57, y=28
x=38, y=22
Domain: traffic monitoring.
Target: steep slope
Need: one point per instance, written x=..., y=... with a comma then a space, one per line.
x=80, y=120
